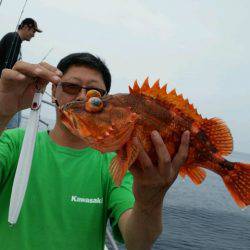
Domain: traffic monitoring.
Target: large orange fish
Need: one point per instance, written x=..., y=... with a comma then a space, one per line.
x=109, y=123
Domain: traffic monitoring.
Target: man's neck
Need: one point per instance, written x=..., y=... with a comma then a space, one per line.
x=62, y=136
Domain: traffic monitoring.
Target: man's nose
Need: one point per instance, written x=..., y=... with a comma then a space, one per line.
x=82, y=95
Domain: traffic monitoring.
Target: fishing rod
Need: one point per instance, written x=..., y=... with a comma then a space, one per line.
x=45, y=90
x=14, y=41
x=21, y=14
x=47, y=54
x=25, y=159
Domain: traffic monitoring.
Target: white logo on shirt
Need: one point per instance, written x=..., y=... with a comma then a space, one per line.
x=75, y=198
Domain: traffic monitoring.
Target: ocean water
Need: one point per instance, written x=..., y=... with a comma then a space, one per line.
x=204, y=217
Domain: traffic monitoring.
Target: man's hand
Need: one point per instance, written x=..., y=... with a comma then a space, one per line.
x=152, y=182
x=18, y=85
x=141, y=225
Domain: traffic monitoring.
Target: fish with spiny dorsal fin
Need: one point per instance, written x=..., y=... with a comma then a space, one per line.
x=109, y=123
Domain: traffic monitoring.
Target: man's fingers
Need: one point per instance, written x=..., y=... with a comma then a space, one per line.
x=10, y=76
x=182, y=153
x=37, y=71
x=51, y=68
x=143, y=157
x=164, y=158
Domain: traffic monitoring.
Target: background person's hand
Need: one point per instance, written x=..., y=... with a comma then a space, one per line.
x=18, y=85
x=152, y=182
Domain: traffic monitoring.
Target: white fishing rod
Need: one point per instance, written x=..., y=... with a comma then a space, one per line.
x=25, y=159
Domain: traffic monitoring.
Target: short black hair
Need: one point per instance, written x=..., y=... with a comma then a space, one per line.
x=88, y=60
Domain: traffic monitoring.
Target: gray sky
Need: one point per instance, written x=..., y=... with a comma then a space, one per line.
x=201, y=48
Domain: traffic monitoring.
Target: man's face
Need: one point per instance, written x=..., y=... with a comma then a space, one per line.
x=28, y=33
x=81, y=76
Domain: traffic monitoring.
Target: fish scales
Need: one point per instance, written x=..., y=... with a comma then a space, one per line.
x=120, y=117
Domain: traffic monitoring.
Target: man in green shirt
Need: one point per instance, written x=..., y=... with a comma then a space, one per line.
x=70, y=194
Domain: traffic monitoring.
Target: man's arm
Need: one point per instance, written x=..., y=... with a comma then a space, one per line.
x=140, y=228
x=141, y=225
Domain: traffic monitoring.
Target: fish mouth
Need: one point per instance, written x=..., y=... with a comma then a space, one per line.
x=75, y=125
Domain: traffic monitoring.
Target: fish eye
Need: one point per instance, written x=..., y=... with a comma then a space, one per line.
x=95, y=101
x=94, y=104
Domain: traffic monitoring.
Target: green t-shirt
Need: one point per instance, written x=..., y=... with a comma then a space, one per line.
x=69, y=198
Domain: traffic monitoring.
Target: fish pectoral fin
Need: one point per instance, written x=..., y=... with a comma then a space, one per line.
x=182, y=172
x=219, y=134
x=195, y=173
x=125, y=157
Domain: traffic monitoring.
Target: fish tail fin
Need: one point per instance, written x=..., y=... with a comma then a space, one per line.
x=237, y=182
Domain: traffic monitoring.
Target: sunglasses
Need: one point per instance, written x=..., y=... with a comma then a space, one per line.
x=75, y=89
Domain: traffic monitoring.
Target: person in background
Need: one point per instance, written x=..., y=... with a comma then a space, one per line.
x=10, y=52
